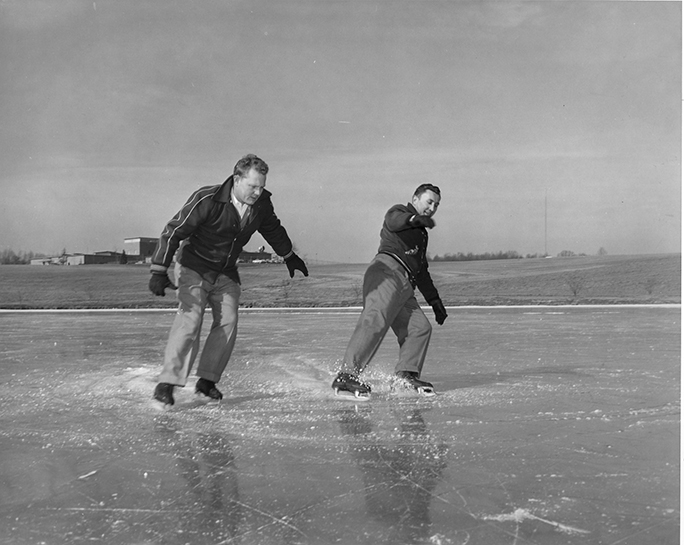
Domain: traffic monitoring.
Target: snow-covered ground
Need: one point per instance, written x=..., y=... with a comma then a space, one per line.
x=552, y=426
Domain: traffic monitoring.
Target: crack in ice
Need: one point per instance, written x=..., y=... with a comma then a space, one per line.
x=519, y=515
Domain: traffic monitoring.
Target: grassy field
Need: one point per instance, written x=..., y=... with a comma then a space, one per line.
x=576, y=280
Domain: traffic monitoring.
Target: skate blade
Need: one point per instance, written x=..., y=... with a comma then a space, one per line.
x=351, y=396
x=427, y=392
x=409, y=391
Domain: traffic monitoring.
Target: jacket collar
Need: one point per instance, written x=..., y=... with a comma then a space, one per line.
x=223, y=194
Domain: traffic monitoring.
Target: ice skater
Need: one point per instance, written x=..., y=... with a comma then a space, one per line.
x=389, y=300
x=215, y=224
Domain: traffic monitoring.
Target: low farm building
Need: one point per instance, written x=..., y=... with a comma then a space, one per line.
x=136, y=250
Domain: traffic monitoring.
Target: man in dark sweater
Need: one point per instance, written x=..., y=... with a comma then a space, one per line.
x=214, y=225
x=389, y=300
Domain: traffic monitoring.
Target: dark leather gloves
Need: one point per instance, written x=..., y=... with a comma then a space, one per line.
x=295, y=263
x=159, y=282
x=440, y=311
x=422, y=221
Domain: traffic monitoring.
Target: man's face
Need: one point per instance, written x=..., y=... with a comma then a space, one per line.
x=427, y=203
x=248, y=188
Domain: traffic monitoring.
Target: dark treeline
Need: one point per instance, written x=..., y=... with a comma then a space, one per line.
x=477, y=257
x=10, y=257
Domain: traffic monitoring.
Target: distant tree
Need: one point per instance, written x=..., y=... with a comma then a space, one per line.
x=357, y=291
x=124, y=258
x=576, y=283
x=510, y=254
x=10, y=257
x=602, y=251
x=566, y=253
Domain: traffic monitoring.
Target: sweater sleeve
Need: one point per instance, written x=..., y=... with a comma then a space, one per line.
x=275, y=234
x=397, y=218
x=180, y=227
x=426, y=286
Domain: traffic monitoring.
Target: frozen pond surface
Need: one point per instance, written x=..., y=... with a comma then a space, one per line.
x=552, y=426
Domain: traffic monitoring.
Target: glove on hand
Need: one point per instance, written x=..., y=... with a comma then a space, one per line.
x=440, y=311
x=422, y=221
x=159, y=282
x=295, y=263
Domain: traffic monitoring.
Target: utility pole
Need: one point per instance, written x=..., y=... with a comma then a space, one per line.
x=546, y=202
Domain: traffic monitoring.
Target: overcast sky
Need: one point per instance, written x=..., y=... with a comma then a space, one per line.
x=112, y=112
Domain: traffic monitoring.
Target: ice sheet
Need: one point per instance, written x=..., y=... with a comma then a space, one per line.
x=552, y=426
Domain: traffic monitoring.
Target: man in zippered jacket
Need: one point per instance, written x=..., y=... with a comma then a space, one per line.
x=214, y=225
x=388, y=297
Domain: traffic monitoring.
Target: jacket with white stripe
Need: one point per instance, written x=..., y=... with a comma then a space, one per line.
x=210, y=226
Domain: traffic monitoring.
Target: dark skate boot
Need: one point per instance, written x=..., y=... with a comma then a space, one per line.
x=208, y=388
x=164, y=393
x=348, y=385
x=410, y=381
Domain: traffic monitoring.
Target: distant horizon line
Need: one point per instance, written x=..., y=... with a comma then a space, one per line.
x=38, y=255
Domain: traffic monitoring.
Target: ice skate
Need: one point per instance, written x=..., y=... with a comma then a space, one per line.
x=409, y=380
x=164, y=394
x=208, y=388
x=348, y=385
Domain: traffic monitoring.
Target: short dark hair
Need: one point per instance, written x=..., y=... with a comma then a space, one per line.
x=247, y=163
x=422, y=188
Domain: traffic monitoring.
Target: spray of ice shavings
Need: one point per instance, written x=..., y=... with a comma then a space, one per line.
x=519, y=515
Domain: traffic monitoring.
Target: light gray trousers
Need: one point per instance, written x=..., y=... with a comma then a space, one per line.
x=388, y=301
x=194, y=295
